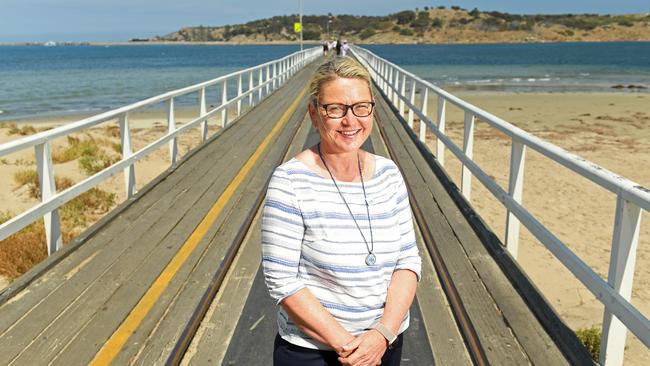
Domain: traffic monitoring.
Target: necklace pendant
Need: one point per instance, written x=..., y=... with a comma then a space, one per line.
x=371, y=259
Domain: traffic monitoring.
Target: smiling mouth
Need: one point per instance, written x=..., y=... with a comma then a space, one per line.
x=349, y=134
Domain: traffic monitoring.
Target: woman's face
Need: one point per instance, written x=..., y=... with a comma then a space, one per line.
x=348, y=133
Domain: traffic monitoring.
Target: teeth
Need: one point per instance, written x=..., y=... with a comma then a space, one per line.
x=349, y=133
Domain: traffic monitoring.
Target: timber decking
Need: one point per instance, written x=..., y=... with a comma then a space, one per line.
x=65, y=310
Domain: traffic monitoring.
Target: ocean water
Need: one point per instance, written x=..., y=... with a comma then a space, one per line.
x=49, y=81
x=534, y=67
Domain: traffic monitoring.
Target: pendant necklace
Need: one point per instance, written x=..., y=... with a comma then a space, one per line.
x=371, y=259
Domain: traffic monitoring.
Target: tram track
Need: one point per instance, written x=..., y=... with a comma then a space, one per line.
x=198, y=315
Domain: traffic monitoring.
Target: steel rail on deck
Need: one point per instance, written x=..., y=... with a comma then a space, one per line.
x=615, y=293
x=277, y=73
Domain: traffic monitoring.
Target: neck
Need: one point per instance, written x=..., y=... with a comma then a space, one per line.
x=344, y=166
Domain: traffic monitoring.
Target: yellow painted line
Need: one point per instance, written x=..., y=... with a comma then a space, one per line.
x=115, y=343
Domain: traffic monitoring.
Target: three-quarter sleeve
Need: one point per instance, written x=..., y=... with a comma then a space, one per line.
x=282, y=234
x=409, y=256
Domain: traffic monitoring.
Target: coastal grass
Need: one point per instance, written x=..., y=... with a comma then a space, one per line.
x=27, y=247
x=91, y=153
x=590, y=338
x=29, y=178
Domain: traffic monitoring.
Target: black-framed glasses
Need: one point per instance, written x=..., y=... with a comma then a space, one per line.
x=338, y=110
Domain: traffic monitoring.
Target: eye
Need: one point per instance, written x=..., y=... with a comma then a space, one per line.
x=335, y=108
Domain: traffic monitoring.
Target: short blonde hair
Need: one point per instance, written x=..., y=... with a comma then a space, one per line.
x=338, y=67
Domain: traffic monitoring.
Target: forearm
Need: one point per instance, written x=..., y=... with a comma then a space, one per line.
x=401, y=292
x=314, y=320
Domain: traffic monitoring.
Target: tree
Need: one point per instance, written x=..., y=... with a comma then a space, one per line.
x=405, y=17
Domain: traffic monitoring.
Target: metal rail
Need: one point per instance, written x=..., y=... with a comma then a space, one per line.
x=270, y=76
x=615, y=293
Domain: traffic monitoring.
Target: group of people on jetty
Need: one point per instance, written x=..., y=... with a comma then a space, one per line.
x=341, y=48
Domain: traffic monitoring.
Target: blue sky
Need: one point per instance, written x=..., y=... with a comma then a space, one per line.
x=120, y=20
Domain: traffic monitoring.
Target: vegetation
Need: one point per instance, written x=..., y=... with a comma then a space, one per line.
x=590, y=338
x=92, y=158
x=26, y=248
x=421, y=22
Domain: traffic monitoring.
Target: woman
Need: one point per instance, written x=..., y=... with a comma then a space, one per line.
x=338, y=247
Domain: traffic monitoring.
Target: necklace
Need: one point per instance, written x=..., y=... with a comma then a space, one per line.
x=371, y=259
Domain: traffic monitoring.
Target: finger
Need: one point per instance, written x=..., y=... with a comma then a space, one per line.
x=352, y=345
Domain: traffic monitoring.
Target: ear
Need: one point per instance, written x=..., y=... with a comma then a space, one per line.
x=313, y=114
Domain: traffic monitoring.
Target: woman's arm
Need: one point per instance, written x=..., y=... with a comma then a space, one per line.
x=282, y=236
x=315, y=321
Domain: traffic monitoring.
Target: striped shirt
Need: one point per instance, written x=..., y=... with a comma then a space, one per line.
x=309, y=240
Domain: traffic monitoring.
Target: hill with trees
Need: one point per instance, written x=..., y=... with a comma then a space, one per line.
x=427, y=25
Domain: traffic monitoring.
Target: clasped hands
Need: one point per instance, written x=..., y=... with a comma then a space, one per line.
x=366, y=349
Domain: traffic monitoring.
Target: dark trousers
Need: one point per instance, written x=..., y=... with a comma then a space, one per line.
x=287, y=354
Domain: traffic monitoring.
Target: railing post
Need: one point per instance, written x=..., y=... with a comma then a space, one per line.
x=224, y=100
x=171, y=127
x=250, y=89
x=275, y=74
x=402, y=95
x=48, y=189
x=468, y=147
x=127, y=151
x=260, y=78
x=625, y=240
x=412, y=101
x=239, y=96
x=515, y=190
x=268, y=77
x=396, y=90
x=390, y=84
x=425, y=110
x=384, y=73
x=203, y=112
x=440, y=146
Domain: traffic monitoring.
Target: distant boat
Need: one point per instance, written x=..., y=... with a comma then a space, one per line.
x=49, y=44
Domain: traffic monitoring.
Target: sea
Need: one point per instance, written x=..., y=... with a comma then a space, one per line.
x=40, y=81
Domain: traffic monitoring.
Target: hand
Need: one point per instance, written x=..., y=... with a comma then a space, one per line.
x=365, y=350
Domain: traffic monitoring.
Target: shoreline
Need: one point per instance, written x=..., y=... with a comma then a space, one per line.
x=69, y=117
x=309, y=42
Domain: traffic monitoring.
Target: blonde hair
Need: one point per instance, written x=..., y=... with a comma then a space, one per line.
x=338, y=67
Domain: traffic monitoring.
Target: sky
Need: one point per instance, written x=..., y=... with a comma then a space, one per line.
x=121, y=20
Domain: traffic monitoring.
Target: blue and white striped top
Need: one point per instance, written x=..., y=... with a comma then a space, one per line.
x=309, y=240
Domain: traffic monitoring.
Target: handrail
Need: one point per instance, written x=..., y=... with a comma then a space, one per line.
x=270, y=76
x=631, y=197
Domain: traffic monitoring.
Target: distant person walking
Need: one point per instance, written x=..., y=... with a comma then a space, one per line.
x=345, y=48
x=325, y=47
x=338, y=47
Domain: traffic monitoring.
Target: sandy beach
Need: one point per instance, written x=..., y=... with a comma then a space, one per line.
x=609, y=129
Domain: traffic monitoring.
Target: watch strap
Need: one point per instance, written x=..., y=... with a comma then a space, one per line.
x=381, y=328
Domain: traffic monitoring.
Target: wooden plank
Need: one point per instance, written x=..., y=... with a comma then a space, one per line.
x=224, y=314
x=563, y=337
x=157, y=343
x=141, y=258
x=530, y=333
x=126, y=221
x=77, y=347
x=442, y=333
x=498, y=343
x=121, y=273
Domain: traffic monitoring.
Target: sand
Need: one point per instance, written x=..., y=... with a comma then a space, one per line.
x=609, y=129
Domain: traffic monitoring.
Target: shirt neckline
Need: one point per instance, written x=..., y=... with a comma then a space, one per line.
x=317, y=174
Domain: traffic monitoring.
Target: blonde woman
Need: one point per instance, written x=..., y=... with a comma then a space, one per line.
x=338, y=247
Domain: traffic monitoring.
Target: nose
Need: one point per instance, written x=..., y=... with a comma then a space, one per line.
x=348, y=116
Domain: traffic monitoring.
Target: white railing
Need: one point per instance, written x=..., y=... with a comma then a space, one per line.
x=614, y=294
x=270, y=76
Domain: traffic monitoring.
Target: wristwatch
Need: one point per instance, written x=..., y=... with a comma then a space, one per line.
x=390, y=337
